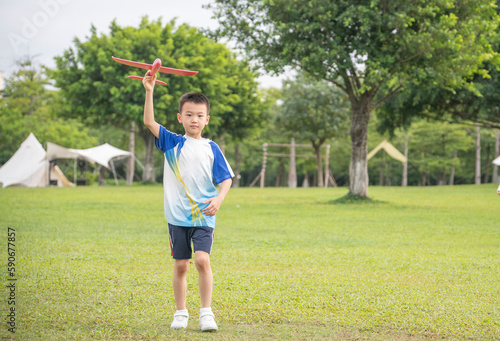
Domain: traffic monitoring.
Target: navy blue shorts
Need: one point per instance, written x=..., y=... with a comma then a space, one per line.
x=181, y=237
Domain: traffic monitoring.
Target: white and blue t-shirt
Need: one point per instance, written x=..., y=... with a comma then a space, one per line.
x=191, y=168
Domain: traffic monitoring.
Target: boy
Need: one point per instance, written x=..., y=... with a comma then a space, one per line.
x=192, y=165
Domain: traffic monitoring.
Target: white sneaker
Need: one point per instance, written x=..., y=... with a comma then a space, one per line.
x=180, y=320
x=207, y=322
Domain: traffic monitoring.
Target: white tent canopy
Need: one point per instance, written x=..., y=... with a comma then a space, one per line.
x=101, y=155
x=29, y=167
x=497, y=161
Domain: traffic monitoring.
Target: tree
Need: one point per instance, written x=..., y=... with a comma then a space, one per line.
x=247, y=112
x=496, y=154
x=434, y=146
x=96, y=87
x=250, y=152
x=315, y=111
x=478, y=103
x=375, y=48
x=404, y=135
x=27, y=106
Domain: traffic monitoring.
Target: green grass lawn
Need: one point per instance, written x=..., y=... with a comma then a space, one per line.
x=418, y=264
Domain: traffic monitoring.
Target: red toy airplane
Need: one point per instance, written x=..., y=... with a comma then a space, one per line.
x=154, y=68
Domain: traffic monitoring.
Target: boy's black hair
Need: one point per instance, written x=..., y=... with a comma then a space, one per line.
x=194, y=97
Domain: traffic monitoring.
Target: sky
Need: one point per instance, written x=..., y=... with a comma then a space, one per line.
x=46, y=28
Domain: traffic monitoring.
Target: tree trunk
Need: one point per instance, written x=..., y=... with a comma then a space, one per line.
x=327, y=165
x=477, y=178
x=388, y=173
x=305, y=183
x=222, y=144
x=292, y=168
x=404, y=181
x=358, y=168
x=237, y=166
x=148, y=174
x=237, y=163
x=382, y=169
x=102, y=174
x=442, y=180
x=487, y=167
x=452, y=171
x=497, y=153
x=264, y=165
x=319, y=165
x=131, y=149
x=280, y=173
x=278, y=176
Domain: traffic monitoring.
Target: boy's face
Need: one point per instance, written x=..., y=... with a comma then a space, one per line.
x=194, y=118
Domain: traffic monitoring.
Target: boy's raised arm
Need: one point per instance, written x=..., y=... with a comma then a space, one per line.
x=149, y=116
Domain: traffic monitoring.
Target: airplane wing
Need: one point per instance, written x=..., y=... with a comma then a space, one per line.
x=177, y=71
x=134, y=64
x=149, y=66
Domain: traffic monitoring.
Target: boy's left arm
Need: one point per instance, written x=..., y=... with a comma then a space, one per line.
x=215, y=202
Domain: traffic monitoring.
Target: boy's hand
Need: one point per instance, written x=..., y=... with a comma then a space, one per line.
x=214, y=206
x=149, y=81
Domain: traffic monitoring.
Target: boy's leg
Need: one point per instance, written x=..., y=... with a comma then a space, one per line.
x=179, y=282
x=205, y=282
x=203, y=239
x=205, y=278
x=181, y=252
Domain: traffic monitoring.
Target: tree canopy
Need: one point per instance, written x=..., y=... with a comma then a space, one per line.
x=374, y=47
x=96, y=87
x=313, y=110
x=28, y=106
x=476, y=102
x=479, y=102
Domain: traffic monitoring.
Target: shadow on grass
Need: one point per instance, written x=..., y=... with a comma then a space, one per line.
x=355, y=199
